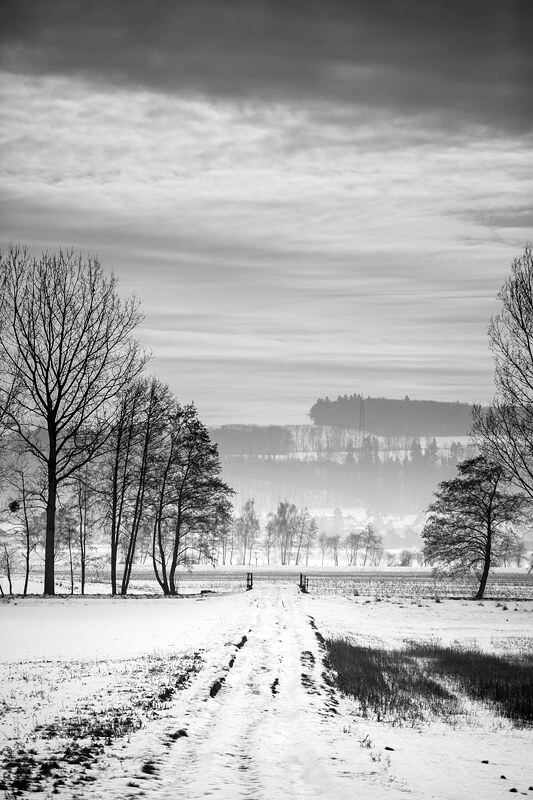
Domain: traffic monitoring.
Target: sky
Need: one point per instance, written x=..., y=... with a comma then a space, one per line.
x=310, y=198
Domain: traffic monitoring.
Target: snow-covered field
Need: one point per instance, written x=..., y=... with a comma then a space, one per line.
x=227, y=696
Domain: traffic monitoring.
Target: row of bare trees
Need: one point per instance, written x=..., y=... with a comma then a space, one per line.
x=291, y=536
x=89, y=441
x=360, y=548
x=288, y=537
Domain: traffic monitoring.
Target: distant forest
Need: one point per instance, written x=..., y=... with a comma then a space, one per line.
x=383, y=483
x=321, y=466
x=382, y=416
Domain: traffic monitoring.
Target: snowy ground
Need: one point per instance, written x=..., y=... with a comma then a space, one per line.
x=227, y=696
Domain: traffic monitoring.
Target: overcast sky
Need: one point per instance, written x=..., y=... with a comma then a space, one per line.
x=311, y=198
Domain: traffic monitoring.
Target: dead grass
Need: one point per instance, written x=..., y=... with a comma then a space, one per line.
x=408, y=685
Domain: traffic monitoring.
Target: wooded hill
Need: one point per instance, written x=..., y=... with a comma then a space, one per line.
x=383, y=416
x=326, y=466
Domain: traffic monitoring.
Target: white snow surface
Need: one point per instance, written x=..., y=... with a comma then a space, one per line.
x=275, y=729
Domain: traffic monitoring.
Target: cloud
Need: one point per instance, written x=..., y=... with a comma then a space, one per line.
x=285, y=247
x=462, y=63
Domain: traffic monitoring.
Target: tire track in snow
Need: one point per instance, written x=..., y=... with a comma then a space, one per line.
x=263, y=734
x=270, y=731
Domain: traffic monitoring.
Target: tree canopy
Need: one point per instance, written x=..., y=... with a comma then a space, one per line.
x=471, y=519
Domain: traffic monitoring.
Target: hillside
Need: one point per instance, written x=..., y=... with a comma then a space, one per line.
x=323, y=466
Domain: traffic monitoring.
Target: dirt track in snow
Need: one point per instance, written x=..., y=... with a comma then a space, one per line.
x=260, y=721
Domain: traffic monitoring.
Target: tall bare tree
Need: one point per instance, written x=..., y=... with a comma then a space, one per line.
x=67, y=351
x=504, y=430
x=130, y=466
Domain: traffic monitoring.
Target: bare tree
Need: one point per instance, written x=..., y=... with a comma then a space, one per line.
x=8, y=563
x=67, y=352
x=247, y=527
x=504, y=430
x=121, y=469
x=26, y=508
x=351, y=545
x=190, y=503
x=129, y=468
x=311, y=534
x=368, y=538
x=84, y=499
x=150, y=426
x=269, y=537
x=303, y=526
x=284, y=521
x=468, y=523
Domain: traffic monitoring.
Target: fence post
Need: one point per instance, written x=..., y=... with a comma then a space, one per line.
x=301, y=584
x=249, y=581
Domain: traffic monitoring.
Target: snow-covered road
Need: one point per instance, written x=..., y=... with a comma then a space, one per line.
x=265, y=733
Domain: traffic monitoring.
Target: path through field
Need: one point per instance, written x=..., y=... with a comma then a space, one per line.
x=259, y=722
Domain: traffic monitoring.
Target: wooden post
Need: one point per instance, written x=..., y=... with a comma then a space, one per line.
x=249, y=581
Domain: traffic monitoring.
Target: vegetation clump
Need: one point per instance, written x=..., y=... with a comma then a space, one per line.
x=502, y=683
x=423, y=679
x=389, y=685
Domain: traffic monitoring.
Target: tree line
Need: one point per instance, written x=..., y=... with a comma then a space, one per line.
x=292, y=536
x=89, y=441
x=379, y=480
x=383, y=416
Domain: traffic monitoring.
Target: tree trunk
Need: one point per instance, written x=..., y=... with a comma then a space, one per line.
x=71, y=561
x=8, y=570
x=157, y=547
x=83, y=538
x=175, y=551
x=49, y=553
x=115, y=522
x=28, y=541
x=486, y=564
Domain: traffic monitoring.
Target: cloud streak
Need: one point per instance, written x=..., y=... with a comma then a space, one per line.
x=310, y=198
